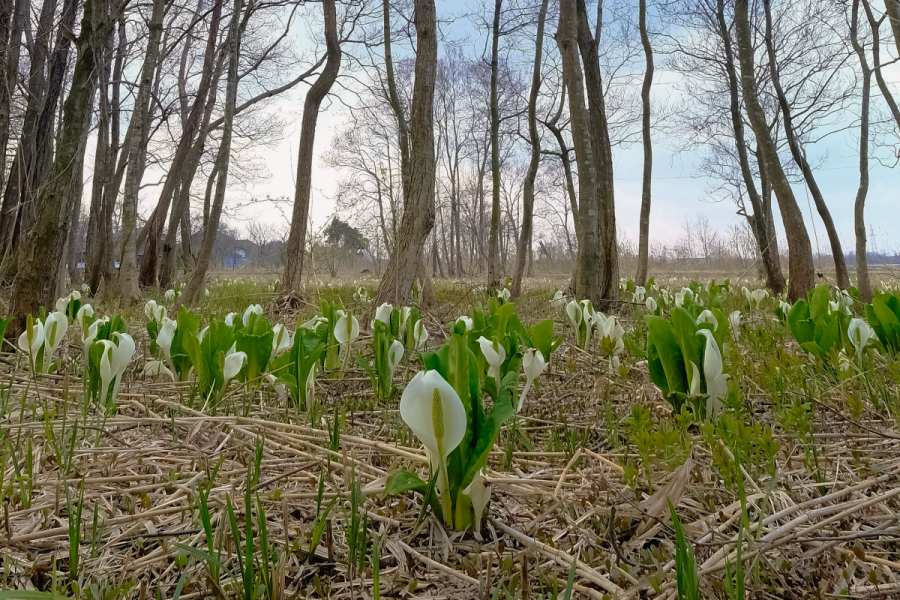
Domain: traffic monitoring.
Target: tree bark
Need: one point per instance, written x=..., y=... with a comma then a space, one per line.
x=640, y=277
x=840, y=264
x=759, y=220
x=494, y=234
x=198, y=278
x=128, y=289
x=892, y=10
x=157, y=221
x=293, y=266
x=876, y=55
x=13, y=18
x=535, y=140
x=39, y=260
x=418, y=210
x=800, y=260
x=606, y=265
x=863, y=283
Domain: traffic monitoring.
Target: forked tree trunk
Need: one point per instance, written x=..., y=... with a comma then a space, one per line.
x=293, y=265
x=153, y=230
x=39, y=260
x=875, y=24
x=528, y=186
x=640, y=276
x=494, y=234
x=863, y=284
x=139, y=132
x=418, y=210
x=196, y=283
x=800, y=259
x=760, y=220
x=840, y=264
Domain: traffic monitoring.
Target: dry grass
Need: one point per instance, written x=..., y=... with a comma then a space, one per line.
x=561, y=489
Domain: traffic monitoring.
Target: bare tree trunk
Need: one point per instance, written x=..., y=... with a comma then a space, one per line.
x=606, y=264
x=13, y=16
x=155, y=224
x=198, y=278
x=876, y=52
x=494, y=235
x=418, y=210
x=892, y=10
x=760, y=220
x=640, y=277
x=840, y=264
x=800, y=260
x=39, y=259
x=535, y=140
x=128, y=289
x=863, y=284
x=293, y=265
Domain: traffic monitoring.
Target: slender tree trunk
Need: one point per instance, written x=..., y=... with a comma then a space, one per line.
x=800, y=260
x=760, y=220
x=840, y=264
x=876, y=53
x=606, y=266
x=13, y=16
x=864, y=285
x=640, y=277
x=892, y=10
x=418, y=211
x=128, y=289
x=39, y=260
x=394, y=99
x=535, y=140
x=293, y=265
x=157, y=221
x=494, y=235
x=196, y=283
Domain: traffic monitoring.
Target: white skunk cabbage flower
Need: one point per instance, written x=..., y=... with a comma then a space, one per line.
x=107, y=369
x=686, y=294
x=314, y=322
x=395, y=354
x=494, y=354
x=170, y=295
x=155, y=368
x=404, y=318
x=253, y=309
x=860, y=334
x=154, y=311
x=55, y=327
x=383, y=314
x=229, y=319
x=734, y=323
x=651, y=304
x=86, y=311
x=31, y=341
x=559, y=300
x=420, y=334
x=234, y=361
x=639, y=293
x=479, y=493
x=281, y=341
x=431, y=408
x=503, y=294
x=467, y=321
x=708, y=317
x=533, y=365
x=716, y=381
x=122, y=355
x=165, y=337
x=573, y=311
x=346, y=329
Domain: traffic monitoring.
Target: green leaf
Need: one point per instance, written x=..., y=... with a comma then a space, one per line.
x=818, y=302
x=800, y=324
x=402, y=482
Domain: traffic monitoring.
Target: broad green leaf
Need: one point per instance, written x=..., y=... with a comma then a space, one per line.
x=402, y=482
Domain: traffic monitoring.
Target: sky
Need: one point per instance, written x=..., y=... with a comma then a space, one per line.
x=679, y=193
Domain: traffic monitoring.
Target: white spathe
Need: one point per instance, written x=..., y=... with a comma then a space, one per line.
x=253, y=309
x=860, y=334
x=433, y=411
x=494, y=354
x=346, y=329
x=55, y=327
x=734, y=322
x=467, y=321
x=651, y=304
x=533, y=364
x=716, y=381
x=420, y=334
x=281, y=340
x=479, y=493
x=395, y=354
x=154, y=311
x=383, y=313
